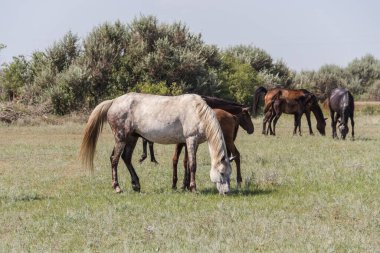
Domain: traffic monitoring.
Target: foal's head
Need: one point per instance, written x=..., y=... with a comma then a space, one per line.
x=245, y=120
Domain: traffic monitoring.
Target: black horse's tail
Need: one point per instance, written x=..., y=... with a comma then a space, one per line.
x=258, y=93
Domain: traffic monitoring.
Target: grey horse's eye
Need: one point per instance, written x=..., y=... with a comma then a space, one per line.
x=222, y=174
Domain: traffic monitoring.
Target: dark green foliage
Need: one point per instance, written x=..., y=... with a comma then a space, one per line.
x=171, y=54
x=359, y=77
x=153, y=57
x=239, y=79
x=101, y=59
x=14, y=77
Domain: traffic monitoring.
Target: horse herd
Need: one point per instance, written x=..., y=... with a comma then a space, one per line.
x=189, y=120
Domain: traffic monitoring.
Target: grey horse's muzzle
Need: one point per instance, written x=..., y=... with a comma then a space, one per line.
x=223, y=187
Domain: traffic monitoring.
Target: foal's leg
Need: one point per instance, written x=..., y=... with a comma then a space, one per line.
x=127, y=157
x=144, y=153
x=192, y=146
x=115, y=156
x=177, y=152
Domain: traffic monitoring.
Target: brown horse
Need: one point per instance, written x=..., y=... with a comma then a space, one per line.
x=341, y=102
x=289, y=95
x=230, y=125
x=280, y=105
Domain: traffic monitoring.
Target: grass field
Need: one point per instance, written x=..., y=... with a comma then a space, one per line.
x=299, y=194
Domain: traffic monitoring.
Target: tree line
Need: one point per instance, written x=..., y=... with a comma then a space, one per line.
x=152, y=57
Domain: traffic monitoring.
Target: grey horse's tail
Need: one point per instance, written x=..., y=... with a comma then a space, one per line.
x=91, y=133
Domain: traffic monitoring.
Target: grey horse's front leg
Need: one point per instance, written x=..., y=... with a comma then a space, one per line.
x=192, y=146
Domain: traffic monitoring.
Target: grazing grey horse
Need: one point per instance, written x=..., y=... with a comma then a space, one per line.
x=161, y=119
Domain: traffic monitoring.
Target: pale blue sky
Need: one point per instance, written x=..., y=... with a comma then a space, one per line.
x=305, y=34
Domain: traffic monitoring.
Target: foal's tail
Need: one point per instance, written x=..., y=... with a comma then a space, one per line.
x=91, y=133
x=260, y=90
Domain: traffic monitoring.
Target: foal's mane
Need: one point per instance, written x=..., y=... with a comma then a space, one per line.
x=213, y=131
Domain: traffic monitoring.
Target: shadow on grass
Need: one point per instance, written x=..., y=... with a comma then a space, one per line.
x=23, y=198
x=240, y=192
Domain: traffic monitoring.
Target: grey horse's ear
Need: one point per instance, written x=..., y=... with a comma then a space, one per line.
x=232, y=158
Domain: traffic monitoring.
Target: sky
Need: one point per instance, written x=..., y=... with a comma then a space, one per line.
x=304, y=34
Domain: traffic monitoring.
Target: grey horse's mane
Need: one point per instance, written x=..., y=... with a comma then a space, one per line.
x=213, y=131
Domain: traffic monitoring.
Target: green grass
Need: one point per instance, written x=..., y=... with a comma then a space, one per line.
x=299, y=194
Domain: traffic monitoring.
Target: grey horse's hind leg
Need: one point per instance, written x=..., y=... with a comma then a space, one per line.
x=127, y=157
x=177, y=152
x=115, y=156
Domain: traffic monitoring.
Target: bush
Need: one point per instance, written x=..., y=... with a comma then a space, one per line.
x=159, y=89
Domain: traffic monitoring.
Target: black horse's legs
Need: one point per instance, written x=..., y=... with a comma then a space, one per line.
x=144, y=153
x=307, y=113
x=333, y=123
x=177, y=152
x=336, y=119
x=297, y=123
x=352, y=126
x=115, y=156
x=151, y=150
x=127, y=157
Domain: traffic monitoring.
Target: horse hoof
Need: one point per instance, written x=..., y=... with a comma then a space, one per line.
x=193, y=188
x=136, y=188
x=118, y=190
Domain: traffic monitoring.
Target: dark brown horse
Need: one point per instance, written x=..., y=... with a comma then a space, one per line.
x=230, y=125
x=289, y=95
x=213, y=102
x=280, y=105
x=341, y=102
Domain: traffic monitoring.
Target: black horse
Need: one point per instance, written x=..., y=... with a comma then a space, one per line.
x=341, y=102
